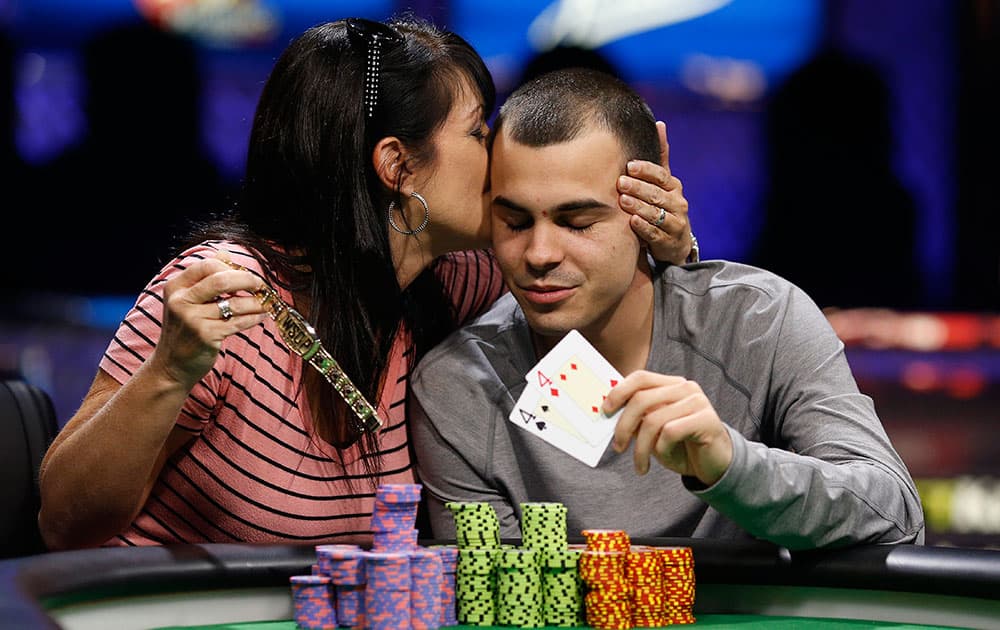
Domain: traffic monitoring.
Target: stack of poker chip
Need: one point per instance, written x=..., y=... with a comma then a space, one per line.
x=387, y=596
x=519, y=589
x=543, y=529
x=395, y=516
x=312, y=602
x=644, y=573
x=477, y=535
x=345, y=566
x=475, y=587
x=397, y=585
x=608, y=604
x=543, y=526
x=476, y=525
x=602, y=567
x=426, y=583
x=679, y=583
x=449, y=567
x=392, y=599
x=562, y=590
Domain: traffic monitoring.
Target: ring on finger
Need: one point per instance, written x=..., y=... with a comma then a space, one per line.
x=659, y=218
x=225, y=310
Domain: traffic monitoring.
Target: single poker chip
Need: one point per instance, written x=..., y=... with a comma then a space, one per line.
x=301, y=582
x=561, y=558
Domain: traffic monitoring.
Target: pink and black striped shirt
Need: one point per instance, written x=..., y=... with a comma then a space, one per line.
x=254, y=471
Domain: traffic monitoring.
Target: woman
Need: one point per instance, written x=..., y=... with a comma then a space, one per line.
x=364, y=211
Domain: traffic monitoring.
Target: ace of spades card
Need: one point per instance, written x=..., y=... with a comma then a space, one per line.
x=535, y=413
x=561, y=402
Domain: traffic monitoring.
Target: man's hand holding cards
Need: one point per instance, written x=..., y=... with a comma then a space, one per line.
x=673, y=422
x=561, y=402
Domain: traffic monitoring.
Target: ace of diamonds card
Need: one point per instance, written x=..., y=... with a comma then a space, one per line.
x=562, y=400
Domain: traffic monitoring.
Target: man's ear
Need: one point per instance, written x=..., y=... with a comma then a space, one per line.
x=389, y=159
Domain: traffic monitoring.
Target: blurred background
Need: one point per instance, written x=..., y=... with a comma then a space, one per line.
x=849, y=145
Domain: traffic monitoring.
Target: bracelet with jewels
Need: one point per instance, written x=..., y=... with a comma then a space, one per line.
x=301, y=338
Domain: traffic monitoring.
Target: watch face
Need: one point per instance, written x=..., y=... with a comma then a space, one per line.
x=297, y=333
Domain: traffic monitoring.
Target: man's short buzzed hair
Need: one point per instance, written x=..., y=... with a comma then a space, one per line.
x=557, y=106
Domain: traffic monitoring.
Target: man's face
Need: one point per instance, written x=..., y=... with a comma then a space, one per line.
x=565, y=247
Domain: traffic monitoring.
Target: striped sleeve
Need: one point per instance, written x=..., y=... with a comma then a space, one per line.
x=473, y=280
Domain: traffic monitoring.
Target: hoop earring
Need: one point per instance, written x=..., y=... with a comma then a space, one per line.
x=419, y=228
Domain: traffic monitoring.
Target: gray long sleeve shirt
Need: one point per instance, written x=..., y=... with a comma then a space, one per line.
x=812, y=465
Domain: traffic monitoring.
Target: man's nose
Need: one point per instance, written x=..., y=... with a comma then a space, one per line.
x=544, y=247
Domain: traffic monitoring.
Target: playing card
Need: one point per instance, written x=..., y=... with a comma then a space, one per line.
x=535, y=413
x=576, y=378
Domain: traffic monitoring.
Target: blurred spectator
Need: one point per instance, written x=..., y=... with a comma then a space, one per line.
x=103, y=216
x=838, y=222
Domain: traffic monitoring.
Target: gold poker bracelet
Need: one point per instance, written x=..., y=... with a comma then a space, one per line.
x=301, y=338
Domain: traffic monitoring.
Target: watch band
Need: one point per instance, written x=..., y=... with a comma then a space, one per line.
x=301, y=338
x=693, y=256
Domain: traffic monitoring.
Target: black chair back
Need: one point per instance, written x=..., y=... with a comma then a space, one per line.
x=27, y=427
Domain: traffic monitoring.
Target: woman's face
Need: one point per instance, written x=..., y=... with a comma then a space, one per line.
x=456, y=180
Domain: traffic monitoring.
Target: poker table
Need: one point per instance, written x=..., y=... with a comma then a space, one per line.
x=743, y=585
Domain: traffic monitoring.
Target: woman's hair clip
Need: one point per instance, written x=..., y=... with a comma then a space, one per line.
x=372, y=35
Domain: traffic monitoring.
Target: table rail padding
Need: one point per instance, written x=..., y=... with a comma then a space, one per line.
x=28, y=586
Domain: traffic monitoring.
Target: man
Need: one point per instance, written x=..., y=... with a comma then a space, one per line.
x=734, y=379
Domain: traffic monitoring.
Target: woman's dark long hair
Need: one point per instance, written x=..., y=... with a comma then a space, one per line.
x=314, y=209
